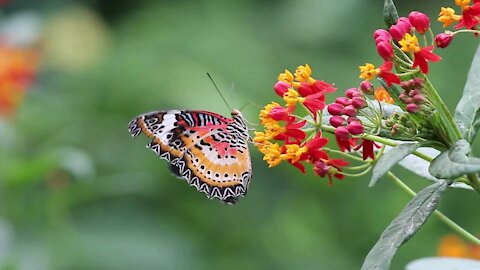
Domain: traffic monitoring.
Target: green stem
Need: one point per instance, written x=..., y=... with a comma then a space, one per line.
x=450, y=223
x=446, y=112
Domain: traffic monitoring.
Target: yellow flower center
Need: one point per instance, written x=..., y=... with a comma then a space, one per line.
x=447, y=16
x=272, y=129
x=303, y=73
x=287, y=77
x=409, y=43
x=272, y=154
x=368, y=71
x=291, y=98
x=293, y=152
x=264, y=114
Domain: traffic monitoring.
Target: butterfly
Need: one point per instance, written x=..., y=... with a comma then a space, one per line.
x=206, y=149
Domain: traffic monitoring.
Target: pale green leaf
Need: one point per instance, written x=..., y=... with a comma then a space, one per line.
x=454, y=162
x=404, y=226
x=467, y=113
x=390, y=158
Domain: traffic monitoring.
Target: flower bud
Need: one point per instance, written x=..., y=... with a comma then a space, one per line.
x=418, y=82
x=352, y=119
x=367, y=87
x=335, y=109
x=419, y=99
x=281, y=88
x=343, y=101
x=342, y=133
x=412, y=108
x=381, y=35
x=385, y=50
x=407, y=85
x=402, y=96
x=337, y=121
x=408, y=100
x=278, y=113
x=350, y=110
x=405, y=24
x=350, y=92
x=355, y=128
x=397, y=32
x=420, y=21
x=443, y=40
x=358, y=102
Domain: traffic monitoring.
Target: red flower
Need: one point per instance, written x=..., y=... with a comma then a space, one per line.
x=292, y=131
x=469, y=16
x=388, y=76
x=315, y=103
x=330, y=167
x=423, y=56
x=367, y=149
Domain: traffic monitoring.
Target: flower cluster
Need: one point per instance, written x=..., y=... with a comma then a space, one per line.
x=17, y=71
x=285, y=135
x=404, y=107
x=413, y=95
x=469, y=19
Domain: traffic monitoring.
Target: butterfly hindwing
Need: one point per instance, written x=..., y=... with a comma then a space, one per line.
x=208, y=150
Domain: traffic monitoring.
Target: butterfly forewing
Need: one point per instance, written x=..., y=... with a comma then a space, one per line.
x=208, y=150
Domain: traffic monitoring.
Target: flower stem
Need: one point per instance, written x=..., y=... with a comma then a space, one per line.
x=439, y=101
x=450, y=223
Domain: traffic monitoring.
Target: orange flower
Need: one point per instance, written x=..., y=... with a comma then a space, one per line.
x=382, y=95
x=452, y=246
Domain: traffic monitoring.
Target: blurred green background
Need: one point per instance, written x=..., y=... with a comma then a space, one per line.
x=76, y=192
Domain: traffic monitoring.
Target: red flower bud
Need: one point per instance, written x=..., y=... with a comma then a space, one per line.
x=405, y=24
x=419, y=99
x=337, y=121
x=335, y=109
x=413, y=92
x=350, y=92
x=407, y=85
x=342, y=133
x=402, y=96
x=397, y=32
x=420, y=21
x=412, y=108
x=355, y=128
x=408, y=100
x=352, y=119
x=385, y=50
x=281, y=88
x=418, y=82
x=343, y=101
x=443, y=40
x=278, y=113
x=367, y=87
x=359, y=102
x=350, y=110
x=381, y=35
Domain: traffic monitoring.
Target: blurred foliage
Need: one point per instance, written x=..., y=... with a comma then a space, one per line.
x=76, y=192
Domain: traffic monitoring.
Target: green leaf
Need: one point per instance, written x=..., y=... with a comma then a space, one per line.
x=390, y=14
x=390, y=158
x=467, y=113
x=454, y=162
x=404, y=226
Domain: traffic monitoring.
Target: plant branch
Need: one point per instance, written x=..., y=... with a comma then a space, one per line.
x=450, y=223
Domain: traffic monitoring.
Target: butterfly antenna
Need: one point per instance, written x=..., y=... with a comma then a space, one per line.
x=218, y=90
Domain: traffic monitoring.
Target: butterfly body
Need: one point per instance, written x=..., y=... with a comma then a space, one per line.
x=208, y=150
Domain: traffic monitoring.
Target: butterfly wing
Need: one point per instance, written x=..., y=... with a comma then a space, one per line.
x=208, y=150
